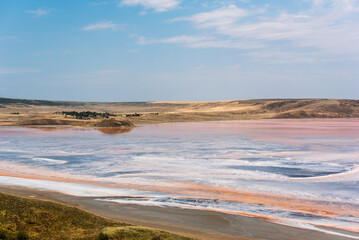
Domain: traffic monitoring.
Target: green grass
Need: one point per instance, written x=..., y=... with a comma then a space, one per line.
x=23, y=218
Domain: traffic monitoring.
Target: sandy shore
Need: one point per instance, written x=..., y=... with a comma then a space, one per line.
x=193, y=223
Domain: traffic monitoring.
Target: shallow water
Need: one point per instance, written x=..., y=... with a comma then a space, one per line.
x=296, y=172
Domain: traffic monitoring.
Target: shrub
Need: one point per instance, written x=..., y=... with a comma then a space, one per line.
x=102, y=236
x=2, y=235
x=22, y=236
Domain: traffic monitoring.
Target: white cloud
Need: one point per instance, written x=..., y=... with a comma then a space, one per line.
x=157, y=5
x=332, y=31
x=226, y=44
x=18, y=70
x=328, y=29
x=102, y=25
x=39, y=12
x=177, y=39
x=219, y=17
x=201, y=42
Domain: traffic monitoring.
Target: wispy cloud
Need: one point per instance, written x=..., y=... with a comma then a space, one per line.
x=178, y=39
x=102, y=25
x=327, y=28
x=4, y=71
x=157, y=5
x=39, y=12
x=10, y=38
x=201, y=42
x=216, y=18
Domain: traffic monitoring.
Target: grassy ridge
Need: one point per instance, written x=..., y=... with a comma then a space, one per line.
x=23, y=218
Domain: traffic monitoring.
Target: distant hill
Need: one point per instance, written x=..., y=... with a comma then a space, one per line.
x=13, y=110
x=55, y=103
x=7, y=101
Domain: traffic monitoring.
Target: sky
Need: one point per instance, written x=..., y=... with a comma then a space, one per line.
x=179, y=50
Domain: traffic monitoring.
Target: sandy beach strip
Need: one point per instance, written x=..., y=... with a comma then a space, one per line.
x=189, y=222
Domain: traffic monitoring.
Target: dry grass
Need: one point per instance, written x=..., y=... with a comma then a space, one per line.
x=25, y=112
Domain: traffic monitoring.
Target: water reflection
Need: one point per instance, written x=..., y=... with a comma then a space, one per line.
x=114, y=130
x=103, y=130
x=49, y=129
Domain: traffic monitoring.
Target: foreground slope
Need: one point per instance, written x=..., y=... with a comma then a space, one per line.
x=23, y=218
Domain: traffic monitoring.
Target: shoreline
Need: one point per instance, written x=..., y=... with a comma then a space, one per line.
x=303, y=205
x=201, y=224
x=126, y=129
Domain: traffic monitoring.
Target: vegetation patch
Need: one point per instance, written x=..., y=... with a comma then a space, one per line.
x=341, y=109
x=86, y=115
x=299, y=114
x=133, y=115
x=349, y=103
x=140, y=233
x=275, y=105
x=290, y=105
x=22, y=218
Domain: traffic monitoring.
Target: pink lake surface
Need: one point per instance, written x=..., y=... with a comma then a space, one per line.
x=297, y=172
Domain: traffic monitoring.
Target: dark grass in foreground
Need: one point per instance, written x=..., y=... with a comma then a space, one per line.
x=23, y=218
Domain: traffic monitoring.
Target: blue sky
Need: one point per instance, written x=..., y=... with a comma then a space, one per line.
x=158, y=50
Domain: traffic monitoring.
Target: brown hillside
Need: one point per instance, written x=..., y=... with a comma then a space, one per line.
x=33, y=112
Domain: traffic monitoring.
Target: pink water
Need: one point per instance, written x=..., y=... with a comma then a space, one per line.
x=296, y=172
